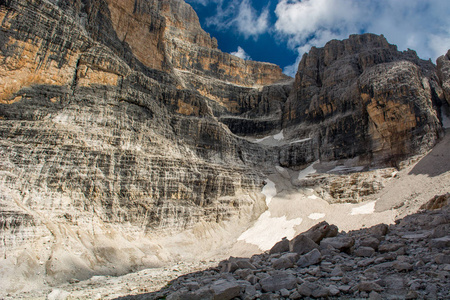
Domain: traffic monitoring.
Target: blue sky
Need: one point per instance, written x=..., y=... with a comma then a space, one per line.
x=281, y=31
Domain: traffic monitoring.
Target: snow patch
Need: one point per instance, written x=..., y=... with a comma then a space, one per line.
x=313, y=197
x=263, y=139
x=316, y=216
x=309, y=170
x=366, y=209
x=279, y=136
x=269, y=190
x=300, y=141
x=267, y=231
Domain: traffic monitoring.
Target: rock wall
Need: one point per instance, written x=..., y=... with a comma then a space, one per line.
x=443, y=66
x=363, y=97
x=118, y=127
x=103, y=149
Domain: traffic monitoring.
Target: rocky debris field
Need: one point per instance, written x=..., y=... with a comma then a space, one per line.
x=407, y=260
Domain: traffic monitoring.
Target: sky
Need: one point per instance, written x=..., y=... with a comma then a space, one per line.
x=281, y=31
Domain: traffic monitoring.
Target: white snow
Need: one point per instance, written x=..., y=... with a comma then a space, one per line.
x=269, y=190
x=316, y=216
x=309, y=170
x=260, y=140
x=267, y=231
x=279, y=136
x=313, y=197
x=366, y=209
x=300, y=141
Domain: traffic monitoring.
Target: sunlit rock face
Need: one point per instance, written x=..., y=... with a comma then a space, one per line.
x=120, y=125
x=363, y=97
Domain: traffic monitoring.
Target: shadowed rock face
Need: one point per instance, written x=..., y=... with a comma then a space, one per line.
x=117, y=122
x=443, y=66
x=363, y=97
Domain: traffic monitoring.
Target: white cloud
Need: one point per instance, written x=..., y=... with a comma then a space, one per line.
x=241, y=54
x=417, y=24
x=249, y=23
x=239, y=15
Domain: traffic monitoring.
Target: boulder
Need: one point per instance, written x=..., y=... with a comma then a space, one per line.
x=341, y=243
x=280, y=247
x=311, y=258
x=277, y=281
x=225, y=290
x=302, y=244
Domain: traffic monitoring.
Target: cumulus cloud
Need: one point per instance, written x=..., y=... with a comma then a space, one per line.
x=240, y=15
x=417, y=24
x=241, y=54
x=249, y=23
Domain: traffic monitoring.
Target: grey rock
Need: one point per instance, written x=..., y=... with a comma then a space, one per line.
x=284, y=293
x=337, y=271
x=252, y=279
x=184, y=294
x=243, y=273
x=291, y=256
x=390, y=247
x=245, y=264
x=375, y=296
x=280, y=247
x=440, y=243
x=371, y=242
x=320, y=231
x=403, y=266
x=268, y=296
x=311, y=258
x=295, y=295
x=442, y=258
x=279, y=280
x=250, y=290
x=364, y=251
x=282, y=263
x=306, y=289
x=342, y=243
x=333, y=290
x=225, y=290
x=367, y=286
x=379, y=230
x=320, y=292
x=301, y=244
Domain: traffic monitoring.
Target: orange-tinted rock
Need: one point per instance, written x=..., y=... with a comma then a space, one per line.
x=363, y=97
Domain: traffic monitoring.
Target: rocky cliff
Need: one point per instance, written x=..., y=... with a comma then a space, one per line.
x=120, y=124
x=363, y=97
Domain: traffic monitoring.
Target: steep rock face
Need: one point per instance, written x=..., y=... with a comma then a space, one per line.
x=363, y=97
x=166, y=36
x=443, y=66
x=100, y=144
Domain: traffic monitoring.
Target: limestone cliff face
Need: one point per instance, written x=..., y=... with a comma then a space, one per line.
x=101, y=141
x=118, y=123
x=363, y=97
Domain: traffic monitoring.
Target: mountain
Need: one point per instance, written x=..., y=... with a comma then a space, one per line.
x=122, y=124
